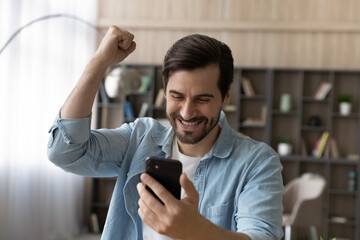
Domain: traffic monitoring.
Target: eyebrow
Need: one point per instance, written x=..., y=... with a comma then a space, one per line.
x=199, y=95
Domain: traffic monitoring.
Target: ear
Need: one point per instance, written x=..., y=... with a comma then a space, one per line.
x=226, y=98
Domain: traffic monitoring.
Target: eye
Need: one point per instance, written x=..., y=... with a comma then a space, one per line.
x=203, y=99
x=177, y=96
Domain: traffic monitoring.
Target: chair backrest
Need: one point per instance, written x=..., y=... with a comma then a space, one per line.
x=303, y=200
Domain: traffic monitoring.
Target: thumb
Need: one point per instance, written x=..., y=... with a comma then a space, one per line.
x=189, y=188
x=131, y=48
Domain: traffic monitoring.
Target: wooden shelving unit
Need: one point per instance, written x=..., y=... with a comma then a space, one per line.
x=269, y=85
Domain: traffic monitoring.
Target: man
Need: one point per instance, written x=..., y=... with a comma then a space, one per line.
x=232, y=185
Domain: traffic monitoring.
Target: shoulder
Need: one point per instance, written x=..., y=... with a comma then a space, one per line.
x=146, y=123
x=254, y=151
x=146, y=126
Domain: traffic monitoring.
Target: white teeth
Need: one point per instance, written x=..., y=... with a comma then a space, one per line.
x=188, y=123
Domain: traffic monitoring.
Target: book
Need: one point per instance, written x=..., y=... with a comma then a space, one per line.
x=230, y=108
x=326, y=153
x=338, y=219
x=319, y=89
x=160, y=98
x=143, y=110
x=246, y=85
x=325, y=91
x=334, y=150
x=315, y=148
x=263, y=114
x=94, y=223
x=322, y=91
x=250, y=121
x=353, y=157
x=253, y=122
x=304, y=150
x=129, y=112
x=322, y=144
x=145, y=83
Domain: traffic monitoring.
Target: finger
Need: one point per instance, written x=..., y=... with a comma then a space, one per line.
x=189, y=188
x=146, y=214
x=125, y=39
x=149, y=199
x=131, y=48
x=166, y=197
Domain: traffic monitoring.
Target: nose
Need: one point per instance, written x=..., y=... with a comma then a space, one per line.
x=188, y=110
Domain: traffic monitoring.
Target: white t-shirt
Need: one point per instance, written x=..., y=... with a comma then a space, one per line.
x=189, y=167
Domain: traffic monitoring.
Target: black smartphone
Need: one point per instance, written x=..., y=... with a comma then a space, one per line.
x=167, y=172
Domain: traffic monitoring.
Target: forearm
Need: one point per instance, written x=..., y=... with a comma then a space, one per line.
x=114, y=48
x=79, y=102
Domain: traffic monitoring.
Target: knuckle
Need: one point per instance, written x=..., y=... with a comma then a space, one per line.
x=161, y=191
x=169, y=222
x=159, y=230
x=163, y=229
x=145, y=211
x=112, y=28
x=140, y=213
x=176, y=211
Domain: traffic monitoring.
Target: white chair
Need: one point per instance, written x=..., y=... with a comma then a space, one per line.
x=303, y=203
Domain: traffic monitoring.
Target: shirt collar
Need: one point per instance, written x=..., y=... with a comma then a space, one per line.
x=222, y=146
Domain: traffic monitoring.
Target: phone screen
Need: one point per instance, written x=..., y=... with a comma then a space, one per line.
x=167, y=172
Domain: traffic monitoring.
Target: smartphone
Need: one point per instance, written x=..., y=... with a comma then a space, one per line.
x=167, y=172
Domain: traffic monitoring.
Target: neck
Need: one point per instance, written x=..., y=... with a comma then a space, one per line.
x=201, y=148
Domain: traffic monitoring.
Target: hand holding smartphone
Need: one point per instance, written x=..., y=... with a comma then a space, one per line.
x=167, y=172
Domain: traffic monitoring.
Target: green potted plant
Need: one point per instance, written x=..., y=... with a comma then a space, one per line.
x=284, y=147
x=345, y=104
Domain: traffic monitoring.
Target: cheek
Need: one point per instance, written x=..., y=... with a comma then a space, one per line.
x=171, y=106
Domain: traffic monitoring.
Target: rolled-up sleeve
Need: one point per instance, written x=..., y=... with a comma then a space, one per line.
x=73, y=131
x=76, y=148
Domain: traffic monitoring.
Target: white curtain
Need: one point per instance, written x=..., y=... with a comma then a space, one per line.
x=37, y=71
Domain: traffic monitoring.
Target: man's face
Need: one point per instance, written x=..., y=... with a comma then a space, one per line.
x=194, y=102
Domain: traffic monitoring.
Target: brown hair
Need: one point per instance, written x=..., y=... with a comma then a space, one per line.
x=197, y=51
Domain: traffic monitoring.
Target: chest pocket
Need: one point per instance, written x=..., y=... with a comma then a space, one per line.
x=222, y=215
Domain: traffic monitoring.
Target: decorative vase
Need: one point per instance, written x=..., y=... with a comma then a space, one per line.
x=345, y=108
x=284, y=149
x=285, y=102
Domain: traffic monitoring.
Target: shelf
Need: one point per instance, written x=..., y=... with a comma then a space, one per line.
x=342, y=222
x=100, y=205
x=280, y=113
x=314, y=100
x=248, y=125
x=271, y=84
x=254, y=98
x=345, y=161
x=300, y=158
x=338, y=115
x=314, y=128
x=341, y=192
x=109, y=105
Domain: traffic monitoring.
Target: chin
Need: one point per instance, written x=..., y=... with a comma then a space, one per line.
x=189, y=140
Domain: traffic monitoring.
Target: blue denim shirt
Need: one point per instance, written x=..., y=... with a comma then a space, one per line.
x=239, y=181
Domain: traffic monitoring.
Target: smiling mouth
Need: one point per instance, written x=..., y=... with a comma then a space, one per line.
x=186, y=123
